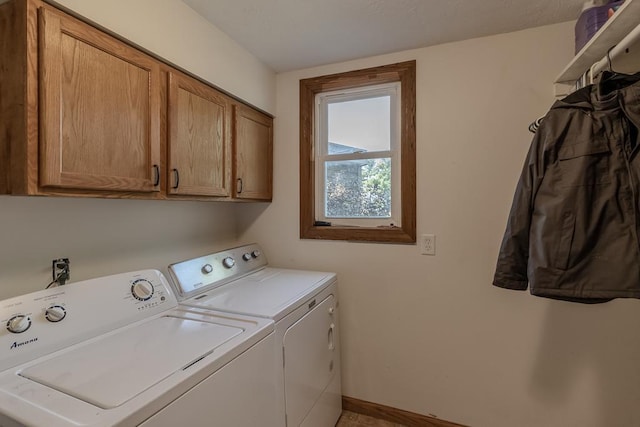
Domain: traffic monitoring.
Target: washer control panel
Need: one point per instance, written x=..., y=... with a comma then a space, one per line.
x=45, y=321
x=210, y=271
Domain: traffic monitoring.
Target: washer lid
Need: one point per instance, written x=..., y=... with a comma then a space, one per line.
x=272, y=292
x=112, y=370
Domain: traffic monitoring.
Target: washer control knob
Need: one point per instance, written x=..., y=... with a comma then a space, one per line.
x=331, y=310
x=207, y=268
x=18, y=324
x=256, y=253
x=247, y=256
x=55, y=313
x=142, y=289
x=228, y=262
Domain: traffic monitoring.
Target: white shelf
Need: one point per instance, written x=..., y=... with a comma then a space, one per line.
x=612, y=32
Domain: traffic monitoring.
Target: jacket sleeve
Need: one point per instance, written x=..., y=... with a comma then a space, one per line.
x=511, y=269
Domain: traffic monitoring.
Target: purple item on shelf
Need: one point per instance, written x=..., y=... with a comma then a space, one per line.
x=590, y=21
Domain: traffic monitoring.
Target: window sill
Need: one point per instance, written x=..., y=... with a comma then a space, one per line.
x=358, y=234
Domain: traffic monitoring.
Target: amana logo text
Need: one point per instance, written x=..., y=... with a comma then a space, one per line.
x=17, y=344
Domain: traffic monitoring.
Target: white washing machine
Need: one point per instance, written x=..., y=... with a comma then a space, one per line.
x=119, y=351
x=304, y=306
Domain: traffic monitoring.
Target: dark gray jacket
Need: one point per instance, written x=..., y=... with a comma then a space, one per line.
x=572, y=232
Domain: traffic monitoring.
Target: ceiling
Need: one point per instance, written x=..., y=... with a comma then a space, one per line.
x=294, y=34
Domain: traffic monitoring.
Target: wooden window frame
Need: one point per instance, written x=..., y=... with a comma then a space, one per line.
x=403, y=72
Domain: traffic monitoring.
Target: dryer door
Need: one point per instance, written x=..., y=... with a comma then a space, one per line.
x=311, y=359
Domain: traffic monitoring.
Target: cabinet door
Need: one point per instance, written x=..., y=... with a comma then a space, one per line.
x=99, y=110
x=253, y=154
x=199, y=139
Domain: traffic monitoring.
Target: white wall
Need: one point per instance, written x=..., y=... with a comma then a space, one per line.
x=109, y=236
x=431, y=334
x=175, y=32
x=102, y=237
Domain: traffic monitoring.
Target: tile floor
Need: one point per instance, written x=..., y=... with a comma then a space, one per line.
x=351, y=419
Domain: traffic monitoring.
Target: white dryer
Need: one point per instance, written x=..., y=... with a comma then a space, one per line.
x=119, y=351
x=304, y=306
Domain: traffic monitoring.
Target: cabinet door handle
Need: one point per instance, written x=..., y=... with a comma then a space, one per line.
x=176, y=175
x=239, y=186
x=156, y=171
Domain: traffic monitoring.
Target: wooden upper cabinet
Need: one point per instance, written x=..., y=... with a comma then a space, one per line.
x=199, y=137
x=84, y=113
x=253, y=154
x=99, y=109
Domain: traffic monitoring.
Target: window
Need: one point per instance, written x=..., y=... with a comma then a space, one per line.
x=357, y=155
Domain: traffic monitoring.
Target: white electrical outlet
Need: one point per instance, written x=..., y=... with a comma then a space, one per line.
x=428, y=244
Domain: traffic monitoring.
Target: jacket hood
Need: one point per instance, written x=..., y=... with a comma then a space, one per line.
x=604, y=93
x=578, y=99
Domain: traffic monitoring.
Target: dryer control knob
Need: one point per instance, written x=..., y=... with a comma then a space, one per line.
x=256, y=253
x=207, y=268
x=228, y=262
x=246, y=256
x=142, y=289
x=55, y=313
x=331, y=310
x=18, y=324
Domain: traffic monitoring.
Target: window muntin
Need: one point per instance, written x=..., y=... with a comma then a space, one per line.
x=358, y=156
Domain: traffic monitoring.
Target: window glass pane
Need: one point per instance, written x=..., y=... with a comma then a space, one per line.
x=358, y=189
x=359, y=125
